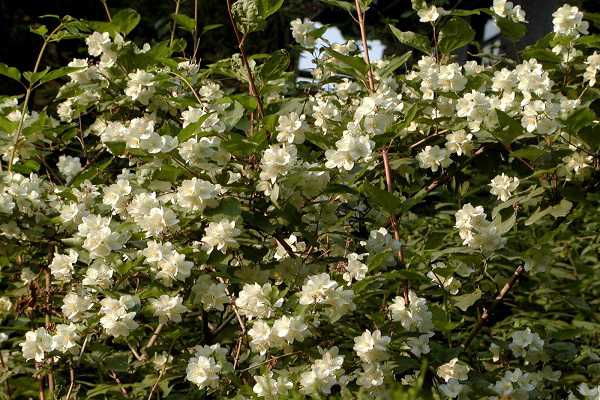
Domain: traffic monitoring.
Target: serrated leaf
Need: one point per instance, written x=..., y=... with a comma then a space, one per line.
x=455, y=34
x=344, y=5
x=465, y=301
x=509, y=129
x=184, y=22
x=384, y=199
x=356, y=63
x=579, y=119
x=125, y=20
x=394, y=64
x=412, y=39
x=59, y=73
x=10, y=72
x=560, y=210
x=511, y=29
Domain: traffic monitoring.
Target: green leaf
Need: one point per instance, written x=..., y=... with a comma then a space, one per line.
x=59, y=73
x=412, y=39
x=386, y=200
x=394, y=64
x=10, y=72
x=193, y=128
x=542, y=55
x=7, y=125
x=467, y=300
x=34, y=77
x=277, y=63
x=455, y=34
x=560, y=210
x=211, y=27
x=530, y=153
x=356, y=63
x=125, y=20
x=344, y=5
x=41, y=30
x=579, y=119
x=511, y=29
x=185, y=22
x=509, y=130
x=590, y=135
x=268, y=7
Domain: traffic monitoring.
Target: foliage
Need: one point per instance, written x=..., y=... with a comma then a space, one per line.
x=391, y=229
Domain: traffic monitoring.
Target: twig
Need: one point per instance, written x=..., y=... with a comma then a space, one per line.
x=135, y=353
x=499, y=297
x=160, y=374
x=48, y=323
x=113, y=375
x=42, y=393
x=106, y=10
x=241, y=39
x=152, y=340
x=285, y=246
x=363, y=38
x=174, y=23
x=72, y=382
x=6, y=383
x=390, y=189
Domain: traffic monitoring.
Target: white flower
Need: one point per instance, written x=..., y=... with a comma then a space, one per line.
x=261, y=336
x=414, y=316
x=577, y=162
x=212, y=295
x=61, y=267
x=116, y=320
x=592, y=393
x=256, y=301
x=100, y=240
x=453, y=369
x=140, y=86
x=434, y=158
x=69, y=166
x=168, y=308
x=266, y=386
x=5, y=306
x=430, y=14
x=371, y=347
x=277, y=160
x=525, y=341
x=289, y=329
x=196, y=194
x=116, y=195
x=74, y=306
x=355, y=269
x=66, y=337
x=459, y=142
x=317, y=289
x=98, y=43
x=203, y=371
x=323, y=374
x=371, y=376
x=350, y=149
x=419, y=345
x=221, y=235
x=301, y=32
x=291, y=128
x=568, y=21
x=98, y=274
x=503, y=186
x=294, y=244
x=168, y=263
x=507, y=9
x=451, y=388
x=36, y=344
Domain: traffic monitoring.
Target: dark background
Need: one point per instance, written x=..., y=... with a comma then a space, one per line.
x=19, y=47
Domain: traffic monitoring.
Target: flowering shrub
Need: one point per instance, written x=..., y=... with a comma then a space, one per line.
x=231, y=231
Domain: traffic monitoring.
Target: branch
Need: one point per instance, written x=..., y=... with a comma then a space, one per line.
x=363, y=38
x=499, y=297
x=241, y=39
x=390, y=188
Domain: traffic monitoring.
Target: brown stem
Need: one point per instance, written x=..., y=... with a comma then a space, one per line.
x=6, y=383
x=152, y=340
x=42, y=393
x=363, y=38
x=285, y=246
x=241, y=39
x=390, y=188
x=174, y=23
x=499, y=297
x=113, y=375
x=48, y=323
x=195, y=39
x=72, y=382
x=106, y=10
